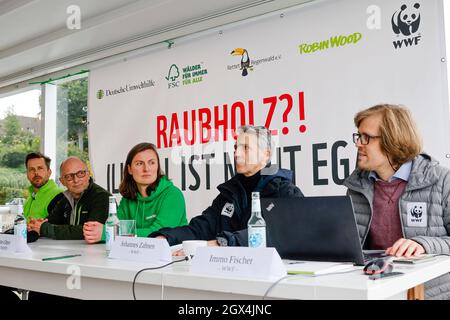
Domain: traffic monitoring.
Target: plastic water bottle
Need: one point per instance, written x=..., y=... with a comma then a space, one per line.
x=20, y=227
x=256, y=224
x=112, y=224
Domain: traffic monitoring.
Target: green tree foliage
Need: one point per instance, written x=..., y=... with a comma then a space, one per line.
x=11, y=129
x=15, y=143
x=71, y=128
x=72, y=105
x=13, y=184
x=13, y=133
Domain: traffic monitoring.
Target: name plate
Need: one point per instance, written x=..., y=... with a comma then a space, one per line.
x=141, y=249
x=257, y=263
x=7, y=243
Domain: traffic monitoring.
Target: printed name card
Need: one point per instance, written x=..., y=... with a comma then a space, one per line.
x=7, y=244
x=257, y=263
x=141, y=249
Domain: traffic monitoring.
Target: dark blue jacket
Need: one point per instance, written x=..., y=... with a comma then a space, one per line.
x=229, y=213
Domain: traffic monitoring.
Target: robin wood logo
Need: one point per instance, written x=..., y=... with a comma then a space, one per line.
x=332, y=42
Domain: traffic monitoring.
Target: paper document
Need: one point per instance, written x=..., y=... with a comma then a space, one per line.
x=316, y=268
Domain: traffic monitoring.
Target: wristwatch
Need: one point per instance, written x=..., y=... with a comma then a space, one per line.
x=222, y=241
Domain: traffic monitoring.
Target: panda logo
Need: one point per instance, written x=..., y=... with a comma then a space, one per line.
x=406, y=20
x=417, y=211
x=228, y=210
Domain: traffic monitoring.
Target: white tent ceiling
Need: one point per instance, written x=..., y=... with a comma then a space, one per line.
x=35, y=40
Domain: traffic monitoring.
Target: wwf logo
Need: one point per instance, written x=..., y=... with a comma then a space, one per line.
x=228, y=210
x=416, y=212
x=406, y=20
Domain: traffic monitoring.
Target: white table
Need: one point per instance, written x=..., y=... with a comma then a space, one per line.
x=103, y=278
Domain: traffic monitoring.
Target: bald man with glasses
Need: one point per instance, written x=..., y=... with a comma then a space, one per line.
x=83, y=201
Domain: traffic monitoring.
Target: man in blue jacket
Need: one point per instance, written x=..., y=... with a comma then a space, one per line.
x=225, y=221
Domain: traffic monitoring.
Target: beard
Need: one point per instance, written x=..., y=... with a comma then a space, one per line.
x=363, y=162
x=361, y=165
x=39, y=182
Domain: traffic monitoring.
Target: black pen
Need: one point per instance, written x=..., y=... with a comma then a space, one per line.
x=61, y=257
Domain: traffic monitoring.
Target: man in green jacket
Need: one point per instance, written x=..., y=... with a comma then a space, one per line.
x=43, y=192
x=83, y=201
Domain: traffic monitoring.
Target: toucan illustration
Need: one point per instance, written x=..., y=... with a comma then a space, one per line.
x=245, y=61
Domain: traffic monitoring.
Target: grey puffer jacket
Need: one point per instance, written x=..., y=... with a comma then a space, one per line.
x=424, y=211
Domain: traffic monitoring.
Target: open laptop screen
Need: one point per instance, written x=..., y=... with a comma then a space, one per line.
x=313, y=228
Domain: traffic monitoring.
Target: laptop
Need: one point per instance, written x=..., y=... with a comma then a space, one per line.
x=314, y=229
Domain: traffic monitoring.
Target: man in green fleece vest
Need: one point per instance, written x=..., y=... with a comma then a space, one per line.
x=43, y=192
x=82, y=202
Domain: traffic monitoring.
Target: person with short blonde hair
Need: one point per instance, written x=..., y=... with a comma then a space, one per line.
x=400, y=195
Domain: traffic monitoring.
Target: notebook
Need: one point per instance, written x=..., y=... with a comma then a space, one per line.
x=313, y=228
x=415, y=259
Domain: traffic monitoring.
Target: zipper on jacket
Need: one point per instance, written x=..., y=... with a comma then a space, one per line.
x=79, y=215
x=142, y=216
x=77, y=212
x=138, y=213
x=370, y=216
x=400, y=214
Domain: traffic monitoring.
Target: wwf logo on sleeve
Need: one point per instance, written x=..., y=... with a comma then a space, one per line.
x=228, y=210
x=417, y=211
x=417, y=214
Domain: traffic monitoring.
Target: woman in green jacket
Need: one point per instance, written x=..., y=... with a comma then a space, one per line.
x=148, y=196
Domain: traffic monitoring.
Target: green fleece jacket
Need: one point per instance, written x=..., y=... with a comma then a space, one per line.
x=164, y=207
x=37, y=203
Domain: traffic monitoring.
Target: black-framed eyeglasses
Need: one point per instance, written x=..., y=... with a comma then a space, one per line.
x=70, y=176
x=363, y=138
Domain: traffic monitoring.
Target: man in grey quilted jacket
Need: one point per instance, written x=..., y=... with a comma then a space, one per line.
x=401, y=196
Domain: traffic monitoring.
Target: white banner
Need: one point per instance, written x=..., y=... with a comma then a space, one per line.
x=311, y=69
